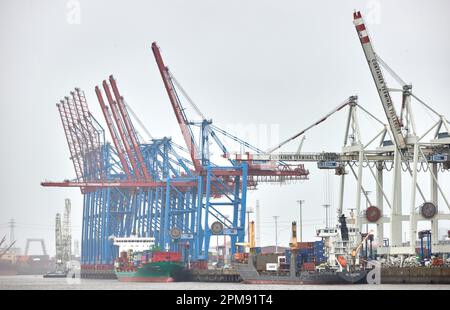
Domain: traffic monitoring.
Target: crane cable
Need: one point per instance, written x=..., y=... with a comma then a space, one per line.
x=185, y=94
x=338, y=108
x=391, y=71
x=403, y=83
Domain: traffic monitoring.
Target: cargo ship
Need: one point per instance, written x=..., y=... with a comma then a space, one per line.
x=141, y=261
x=332, y=260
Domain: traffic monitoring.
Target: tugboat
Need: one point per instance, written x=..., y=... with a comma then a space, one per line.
x=141, y=261
x=333, y=260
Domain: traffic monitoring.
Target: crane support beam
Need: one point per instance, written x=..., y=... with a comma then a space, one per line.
x=129, y=127
x=324, y=156
x=182, y=121
x=121, y=184
x=307, y=157
x=379, y=80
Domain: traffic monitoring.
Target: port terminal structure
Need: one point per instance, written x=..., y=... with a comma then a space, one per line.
x=397, y=147
x=156, y=188
x=180, y=196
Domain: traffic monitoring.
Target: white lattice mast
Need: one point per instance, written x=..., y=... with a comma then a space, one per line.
x=59, y=247
x=67, y=231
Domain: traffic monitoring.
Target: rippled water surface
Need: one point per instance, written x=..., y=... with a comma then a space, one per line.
x=39, y=283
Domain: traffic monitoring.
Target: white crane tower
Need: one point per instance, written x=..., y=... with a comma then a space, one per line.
x=408, y=143
x=399, y=147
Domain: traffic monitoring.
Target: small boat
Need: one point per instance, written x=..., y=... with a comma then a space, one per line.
x=56, y=274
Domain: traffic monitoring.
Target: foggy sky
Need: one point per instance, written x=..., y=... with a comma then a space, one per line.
x=270, y=63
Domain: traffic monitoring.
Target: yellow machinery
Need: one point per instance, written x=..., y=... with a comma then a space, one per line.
x=356, y=250
x=251, y=244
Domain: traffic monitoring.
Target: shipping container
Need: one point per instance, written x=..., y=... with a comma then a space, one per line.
x=308, y=266
x=166, y=257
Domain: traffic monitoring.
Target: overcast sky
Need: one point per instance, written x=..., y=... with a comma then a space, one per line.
x=278, y=64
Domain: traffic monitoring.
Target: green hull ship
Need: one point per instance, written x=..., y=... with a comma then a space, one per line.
x=151, y=272
x=141, y=261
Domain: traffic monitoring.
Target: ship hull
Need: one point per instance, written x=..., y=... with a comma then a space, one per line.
x=151, y=272
x=134, y=278
x=250, y=275
x=8, y=272
x=8, y=269
x=310, y=278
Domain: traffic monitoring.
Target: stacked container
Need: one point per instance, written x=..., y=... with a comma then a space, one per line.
x=166, y=257
x=308, y=254
x=319, y=252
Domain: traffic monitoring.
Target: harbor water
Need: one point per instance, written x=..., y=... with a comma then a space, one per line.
x=33, y=282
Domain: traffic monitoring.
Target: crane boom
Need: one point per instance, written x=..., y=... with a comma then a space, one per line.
x=181, y=118
x=355, y=251
x=380, y=83
x=85, y=134
x=350, y=100
x=7, y=248
x=121, y=129
x=80, y=100
x=78, y=138
x=71, y=141
x=112, y=131
x=129, y=127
